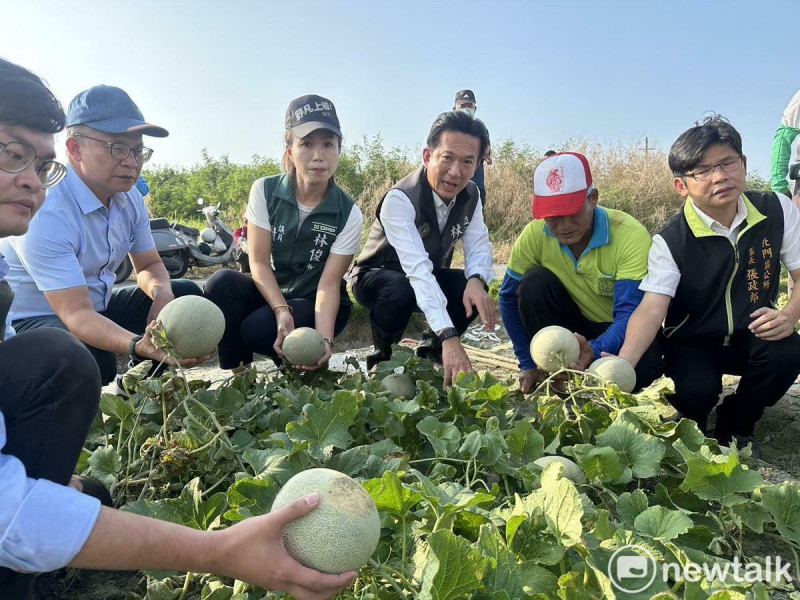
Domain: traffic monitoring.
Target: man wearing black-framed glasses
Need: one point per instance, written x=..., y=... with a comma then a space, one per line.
x=713, y=281
x=63, y=271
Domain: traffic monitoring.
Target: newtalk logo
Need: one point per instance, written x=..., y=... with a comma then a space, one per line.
x=633, y=569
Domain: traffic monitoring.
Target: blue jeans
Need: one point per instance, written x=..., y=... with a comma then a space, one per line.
x=127, y=308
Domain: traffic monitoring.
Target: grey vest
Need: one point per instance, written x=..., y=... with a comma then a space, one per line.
x=379, y=254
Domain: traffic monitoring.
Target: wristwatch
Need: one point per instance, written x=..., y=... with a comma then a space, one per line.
x=447, y=333
x=480, y=278
x=132, y=348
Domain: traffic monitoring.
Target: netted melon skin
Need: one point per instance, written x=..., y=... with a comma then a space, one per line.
x=304, y=346
x=616, y=370
x=399, y=384
x=194, y=325
x=554, y=347
x=341, y=533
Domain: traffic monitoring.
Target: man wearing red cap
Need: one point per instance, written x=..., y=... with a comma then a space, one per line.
x=576, y=265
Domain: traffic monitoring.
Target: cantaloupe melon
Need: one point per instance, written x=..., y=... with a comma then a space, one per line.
x=341, y=533
x=616, y=370
x=399, y=384
x=304, y=346
x=571, y=470
x=554, y=347
x=194, y=325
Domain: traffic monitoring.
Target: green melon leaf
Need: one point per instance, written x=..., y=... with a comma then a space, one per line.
x=249, y=497
x=188, y=509
x=390, y=495
x=630, y=505
x=719, y=478
x=783, y=503
x=561, y=505
x=662, y=523
x=327, y=427
x=453, y=569
x=642, y=453
x=105, y=465
x=444, y=437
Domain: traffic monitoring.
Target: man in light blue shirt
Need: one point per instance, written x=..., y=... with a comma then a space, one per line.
x=50, y=392
x=62, y=271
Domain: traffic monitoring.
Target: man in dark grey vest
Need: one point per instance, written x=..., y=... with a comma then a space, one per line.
x=405, y=264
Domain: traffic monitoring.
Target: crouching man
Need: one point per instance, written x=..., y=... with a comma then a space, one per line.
x=577, y=265
x=405, y=264
x=63, y=270
x=713, y=279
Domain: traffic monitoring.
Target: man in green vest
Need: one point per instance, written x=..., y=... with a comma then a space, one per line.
x=713, y=279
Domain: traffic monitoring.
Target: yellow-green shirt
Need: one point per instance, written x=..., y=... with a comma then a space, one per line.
x=617, y=252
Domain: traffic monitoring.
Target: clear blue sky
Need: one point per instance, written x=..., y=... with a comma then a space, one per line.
x=220, y=75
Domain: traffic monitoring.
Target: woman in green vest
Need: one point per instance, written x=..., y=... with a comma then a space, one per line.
x=302, y=234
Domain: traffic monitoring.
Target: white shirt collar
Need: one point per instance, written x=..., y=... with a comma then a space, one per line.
x=741, y=216
x=439, y=204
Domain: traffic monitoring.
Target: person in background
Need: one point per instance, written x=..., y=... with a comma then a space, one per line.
x=577, y=265
x=240, y=237
x=465, y=101
x=550, y=153
x=785, y=136
x=712, y=281
x=62, y=271
x=405, y=264
x=50, y=394
x=302, y=233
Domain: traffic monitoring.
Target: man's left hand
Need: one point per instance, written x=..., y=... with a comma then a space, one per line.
x=475, y=295
x=771, y=324
x=586, y=356
x=162, y=298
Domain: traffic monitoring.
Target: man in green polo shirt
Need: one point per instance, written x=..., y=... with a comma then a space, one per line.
x=576, y=265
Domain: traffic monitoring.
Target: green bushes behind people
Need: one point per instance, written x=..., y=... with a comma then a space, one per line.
x=632, y=176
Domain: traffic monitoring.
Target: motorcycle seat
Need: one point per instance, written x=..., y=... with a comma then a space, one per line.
x=159, y=224
x=192, y=232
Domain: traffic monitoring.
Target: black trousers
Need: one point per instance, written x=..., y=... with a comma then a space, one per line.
x=128, y=308
x=543, y=301
x=697, y=365
x=49, y=394
x=250, y=325
x=391, y=301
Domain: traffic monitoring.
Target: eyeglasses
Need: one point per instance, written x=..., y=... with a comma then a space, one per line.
x=729, y=165
x=120, y=151
x=15, y=157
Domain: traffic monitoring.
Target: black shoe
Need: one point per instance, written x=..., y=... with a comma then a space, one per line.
x=430, y=347
x=382, y=342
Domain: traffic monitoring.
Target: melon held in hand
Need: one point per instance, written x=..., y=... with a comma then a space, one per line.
x=616, y=370
x=554, y=348
x=341, y=533
x=304, y=346
x=194, y=325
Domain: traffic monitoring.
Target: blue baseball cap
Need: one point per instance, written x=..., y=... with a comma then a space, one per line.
x=110, y=109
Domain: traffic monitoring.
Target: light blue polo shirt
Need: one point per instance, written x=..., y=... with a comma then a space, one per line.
x=74, y=241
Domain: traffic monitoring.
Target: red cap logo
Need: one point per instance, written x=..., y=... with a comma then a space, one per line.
x=555, y=181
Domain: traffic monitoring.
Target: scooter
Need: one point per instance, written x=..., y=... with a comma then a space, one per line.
x=172, y=243
x=182, y=247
